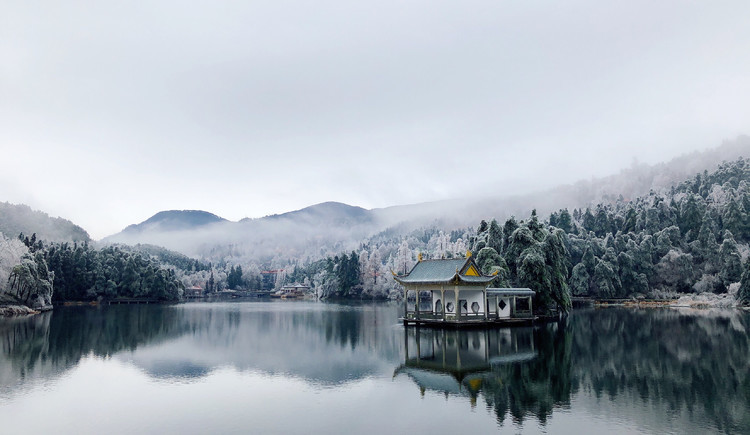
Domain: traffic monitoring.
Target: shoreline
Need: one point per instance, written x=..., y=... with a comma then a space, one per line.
x=700, y=301
x=16, y=310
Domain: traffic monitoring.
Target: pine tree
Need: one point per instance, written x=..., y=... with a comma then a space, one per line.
x=589, y=223
x=579, y=280
x=556, y=256
x=743, y=294
x=510, y=225
x=565, y=222
x=731, y=261
x=606, y=280
x=736, y=220
x=691, y=215
x=495, y=237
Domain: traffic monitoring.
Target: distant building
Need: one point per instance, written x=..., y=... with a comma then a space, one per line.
x=291, y=291
x=296, y=288
x=194, y=292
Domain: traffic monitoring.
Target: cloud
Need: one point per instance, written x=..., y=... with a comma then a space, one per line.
x=251, y=108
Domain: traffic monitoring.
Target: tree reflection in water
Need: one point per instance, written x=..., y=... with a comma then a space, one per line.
x=516, y=370
x=48, y=344
x=691, y=363
x=660, y=364
x=189, y=341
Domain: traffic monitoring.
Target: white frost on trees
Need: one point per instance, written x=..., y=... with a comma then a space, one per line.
x=11, y=253
x=404, y=259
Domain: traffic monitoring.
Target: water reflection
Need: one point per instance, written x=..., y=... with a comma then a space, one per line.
x=677, y=369
x=453, y=362
x=517, y=371
x=689, y=363
x=45, y=346
x=324, y=344
x=669, y=366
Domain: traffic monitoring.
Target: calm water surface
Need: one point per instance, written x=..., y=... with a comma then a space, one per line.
x=305, y=367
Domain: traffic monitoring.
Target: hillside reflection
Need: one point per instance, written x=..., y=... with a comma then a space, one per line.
x=693, y=362
x=669, y=364
x=664, y=366
x=324, y=344
x=46, y=345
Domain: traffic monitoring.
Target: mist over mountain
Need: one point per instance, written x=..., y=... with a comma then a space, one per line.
x=329, y=228
x=314, y=244
x=20, y=218
x=637, y=180
x=325, y=213
x=202, y=234
x=175, y=220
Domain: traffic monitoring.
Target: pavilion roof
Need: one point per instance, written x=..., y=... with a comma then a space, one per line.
x=444, y=271
x=510, y=292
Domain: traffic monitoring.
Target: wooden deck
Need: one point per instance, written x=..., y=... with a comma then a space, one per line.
x=472, y=322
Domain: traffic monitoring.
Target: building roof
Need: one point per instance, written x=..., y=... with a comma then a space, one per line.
x=296, y=286
x=445, y=271
x=510, y=292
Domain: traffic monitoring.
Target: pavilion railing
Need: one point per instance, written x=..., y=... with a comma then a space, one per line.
x=430, y=315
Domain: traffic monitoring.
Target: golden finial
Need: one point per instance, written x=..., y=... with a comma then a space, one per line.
x=419, y=256
x=468, y=253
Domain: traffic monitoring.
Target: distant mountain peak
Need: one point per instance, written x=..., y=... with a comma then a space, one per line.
x=330, y=212
x=174, y=220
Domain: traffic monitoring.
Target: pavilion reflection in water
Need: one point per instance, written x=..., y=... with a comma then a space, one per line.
x=460, y=362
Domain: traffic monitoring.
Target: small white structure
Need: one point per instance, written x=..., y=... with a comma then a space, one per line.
x=511, y=302
x=291, y=291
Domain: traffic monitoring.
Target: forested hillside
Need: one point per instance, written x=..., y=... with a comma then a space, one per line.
x=327, y=229
x=83, y=273
x=18, y=218
x=690, y=238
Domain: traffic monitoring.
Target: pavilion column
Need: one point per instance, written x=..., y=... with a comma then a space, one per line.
x=406, y=302
x=419, y=349
x=458, y=308
x=406, y=342
x=442, y=301
x=417, y=307
x=487, y=345
x=484, y=293
x=531, y=309
x=458, y=353
x=443, y=342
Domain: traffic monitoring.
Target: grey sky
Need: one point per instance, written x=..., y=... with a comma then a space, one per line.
x=111, y=111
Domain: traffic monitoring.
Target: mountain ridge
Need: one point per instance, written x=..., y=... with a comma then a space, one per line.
x=332, y=226
x=20, y=218
x=172, y=220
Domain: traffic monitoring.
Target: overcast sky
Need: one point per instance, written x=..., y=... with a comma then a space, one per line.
x=113, y=110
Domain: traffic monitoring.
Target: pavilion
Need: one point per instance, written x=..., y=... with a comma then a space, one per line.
x=459, y=296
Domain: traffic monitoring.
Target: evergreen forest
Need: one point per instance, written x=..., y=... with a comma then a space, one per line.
x=690, y=238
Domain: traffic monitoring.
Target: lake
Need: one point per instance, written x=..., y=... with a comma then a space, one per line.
x=308, y=367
